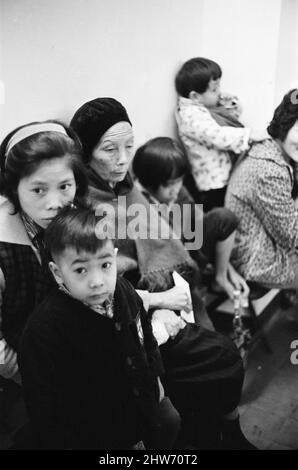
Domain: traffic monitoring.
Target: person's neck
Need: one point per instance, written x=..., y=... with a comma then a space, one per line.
x=155, y=199
x=197, y=99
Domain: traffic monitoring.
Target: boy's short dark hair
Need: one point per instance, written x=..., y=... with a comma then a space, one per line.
x=158, y=161
x=195, y=75
x=285, y=116
x=76, y=228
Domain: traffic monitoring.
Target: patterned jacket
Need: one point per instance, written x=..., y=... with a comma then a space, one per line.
x=207, y=144
x=260, y=194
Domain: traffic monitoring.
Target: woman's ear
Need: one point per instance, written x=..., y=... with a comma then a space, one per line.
x=56, y=272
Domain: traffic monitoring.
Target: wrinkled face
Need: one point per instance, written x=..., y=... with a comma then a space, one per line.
x=290, y=144
x=211, y=96
x=89, y=277
x=168, y=192
x=43, y=193
x=113, y=153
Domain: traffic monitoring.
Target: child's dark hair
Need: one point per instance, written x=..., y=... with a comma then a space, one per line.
x=26, y=155
x=285, y=116
x=77, y=228
x=158, y=161
x=195, y=75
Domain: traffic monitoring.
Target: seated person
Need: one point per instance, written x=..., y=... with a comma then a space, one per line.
x=260, y=194
x=90, y=365
x=41, y=172
x=203, y=369
x=160, y=166
x=209, y=129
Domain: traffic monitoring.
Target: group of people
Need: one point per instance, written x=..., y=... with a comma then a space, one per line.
x=94, y=351
x=251, y=172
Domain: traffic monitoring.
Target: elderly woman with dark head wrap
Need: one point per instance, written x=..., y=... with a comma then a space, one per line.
x=107, y=139
x=204, y=372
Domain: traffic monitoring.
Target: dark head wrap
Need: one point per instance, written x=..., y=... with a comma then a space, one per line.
x=94, y=118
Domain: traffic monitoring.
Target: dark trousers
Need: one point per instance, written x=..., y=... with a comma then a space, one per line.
x=210, y=199
x=218, y=225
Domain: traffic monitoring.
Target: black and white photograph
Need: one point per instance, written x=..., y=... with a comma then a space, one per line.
x=148, y=228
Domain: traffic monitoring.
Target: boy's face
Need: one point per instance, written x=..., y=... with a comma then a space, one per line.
x=90, y=278
x=168, y=193
x=210, y=97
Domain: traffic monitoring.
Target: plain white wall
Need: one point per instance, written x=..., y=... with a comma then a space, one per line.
x=1, y=60
x=287, y=60
x=243, y=36
x=60, y=53
x=57, y=54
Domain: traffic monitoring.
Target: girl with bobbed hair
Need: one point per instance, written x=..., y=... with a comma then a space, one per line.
x=41, y=171
x=260, y=193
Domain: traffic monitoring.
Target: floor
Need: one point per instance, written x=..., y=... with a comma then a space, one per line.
x=269, y=409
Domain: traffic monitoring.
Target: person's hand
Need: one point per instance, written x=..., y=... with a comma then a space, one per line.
x=257, y=135
x=176, y=299
x=172, y=322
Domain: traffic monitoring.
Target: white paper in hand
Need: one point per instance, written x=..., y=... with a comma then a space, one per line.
x=180, y=282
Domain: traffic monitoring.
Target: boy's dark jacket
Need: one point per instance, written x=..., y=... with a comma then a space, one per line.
x=88, y=380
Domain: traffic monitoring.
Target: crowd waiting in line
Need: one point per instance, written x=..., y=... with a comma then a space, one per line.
x=94, y=351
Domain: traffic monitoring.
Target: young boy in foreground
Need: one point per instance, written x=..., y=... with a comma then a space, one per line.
x=89, y=362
